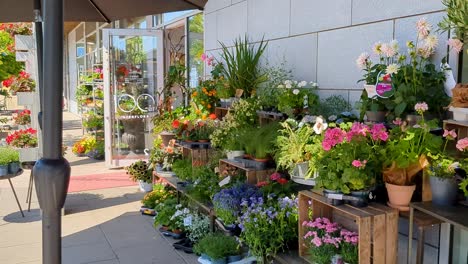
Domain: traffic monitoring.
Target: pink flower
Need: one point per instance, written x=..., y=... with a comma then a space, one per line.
x=333, y=137
x=450, y=134
x=455, y=44
x=421, y=107
x=204, y=57
x=397, y=121
x=362, y=60
x=379, y=132
x=317, y=241
x=423, y=27
x=462, y=144
x=388, y=50
x=275, y=176
x=359, y=164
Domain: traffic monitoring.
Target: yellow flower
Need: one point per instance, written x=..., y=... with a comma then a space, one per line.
x=194, y=94
x=209, y=106
x=198, y=111
x=203, y=117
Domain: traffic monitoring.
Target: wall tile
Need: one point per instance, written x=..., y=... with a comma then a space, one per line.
x=232, y=23
x=268, y=20
x=367, y=11
x=338, y=50
x=316, y=15
x=299, y=53
x=237, y=1
x=211, y=31
x=214, y=5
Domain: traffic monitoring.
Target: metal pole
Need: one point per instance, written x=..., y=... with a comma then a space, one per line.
x=39, y=49
x=52, y=171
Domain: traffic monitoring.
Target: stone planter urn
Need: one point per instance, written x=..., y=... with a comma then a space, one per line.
x=133, y=134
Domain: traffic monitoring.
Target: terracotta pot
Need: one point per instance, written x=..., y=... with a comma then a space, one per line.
x=399, y=196
x=261, y=160
x=166, y=137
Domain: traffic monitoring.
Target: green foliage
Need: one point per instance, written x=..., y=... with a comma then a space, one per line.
x=205, y=184
x=165, y=211
x=8, y=155
x=93, y=121
x=183, y=169
x=217, y=246
x=8, y=64
x=242, y=65
x=333, y=105
x=259, y=141
x=443, y=167
x=199, y=228
x=268, y=92
x=159, y=195
x=456, y=19
x=464, y=186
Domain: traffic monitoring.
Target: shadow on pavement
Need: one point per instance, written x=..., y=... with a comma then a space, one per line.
x=83, y=201
x=15, y=217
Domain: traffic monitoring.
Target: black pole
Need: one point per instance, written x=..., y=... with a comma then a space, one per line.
x=39, y=50
x=52, y=171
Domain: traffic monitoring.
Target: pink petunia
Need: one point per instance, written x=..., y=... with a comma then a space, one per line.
x=462, y=144
x=455, y=44
x=450, y=134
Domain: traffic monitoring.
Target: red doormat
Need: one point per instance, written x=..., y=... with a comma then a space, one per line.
x=99, y=181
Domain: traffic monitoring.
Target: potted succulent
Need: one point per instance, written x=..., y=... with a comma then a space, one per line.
x=406, y=155
x=350, y=160
x=140, y=172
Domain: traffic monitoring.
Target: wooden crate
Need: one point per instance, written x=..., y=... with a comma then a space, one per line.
x=199, y=156
x=377, y=226
x=221, y=112
x=253, y=176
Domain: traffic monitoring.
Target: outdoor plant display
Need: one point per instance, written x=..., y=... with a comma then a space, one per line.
x=227, y=202
x=294, y=97
x=259, y=142
x=198, y=228
x=20, y=83
x=23, y=117
x=456, y=22
x=406, y=154
x=24, y=138
x=268, y=224
x=165, y=156
x=205, y=183
x=182, y=168
x=9, y=161
x=241, y=65
x=140, y=172
x=205, y=96
x=350, y=160
x=217, y=248
x=409, y=78
x=79, y=147
x=328, y=241
x=276, y=186
x=93, y=121
x=267, y=92
x=160, y=194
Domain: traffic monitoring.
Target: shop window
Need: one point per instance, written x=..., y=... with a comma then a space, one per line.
x=195, y=49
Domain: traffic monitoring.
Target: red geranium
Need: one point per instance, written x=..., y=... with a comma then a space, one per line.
x=282, y=181
x=175, y=124
x=212, y=116
x=262, y=183
x=24, y=138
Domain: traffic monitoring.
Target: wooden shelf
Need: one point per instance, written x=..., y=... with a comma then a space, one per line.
x=253, y=175
x=460, y=126
x=376, y=224
x=199, y=156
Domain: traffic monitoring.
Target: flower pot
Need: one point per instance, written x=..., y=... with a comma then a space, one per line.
x=3, y=170
x=234, y=153
x=362, y=195
x=13, y=167
x=370, y=89
x=145, y=187
x=235, y=258
x=413, y=119
x=166, y=137
x=218, y=261
x=399, y=196
x=459, y=114
x=331, y=200
x=444, y=191
x=301, y=169
x=25, y=98
x=376, y=116
x=28, y=154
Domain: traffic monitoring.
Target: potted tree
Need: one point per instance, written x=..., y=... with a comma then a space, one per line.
x=140, y=172
x=406, y=155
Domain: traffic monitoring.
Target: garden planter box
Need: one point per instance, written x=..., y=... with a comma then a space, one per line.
x=199, y=155
x=253, y=175
x=25, y=98
x=459, y=114
x=377, y=226
x=28, y=154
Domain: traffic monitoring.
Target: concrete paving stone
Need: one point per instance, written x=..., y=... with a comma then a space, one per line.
x=20, y=253
x=17, y=234
x=92, y=235
x=110, y=261
x=149, y=253
x=86, y=253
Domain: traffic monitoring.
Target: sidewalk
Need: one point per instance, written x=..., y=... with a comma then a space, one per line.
x=100, y=226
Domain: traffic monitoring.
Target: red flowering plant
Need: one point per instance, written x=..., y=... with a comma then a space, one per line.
x=24, y=138
x=23, y=117
x=326, y=240
x=276, y=185
x=16, y=28
x=20, y=83
x=350, y=160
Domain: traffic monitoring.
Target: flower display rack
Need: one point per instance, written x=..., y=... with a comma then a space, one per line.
x=266, y=117
x=377, y=226
x=200, y=156
x=221, y=112
x=253, y=175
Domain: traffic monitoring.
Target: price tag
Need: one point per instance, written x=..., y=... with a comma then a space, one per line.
x=225, y=181
x=188, y=221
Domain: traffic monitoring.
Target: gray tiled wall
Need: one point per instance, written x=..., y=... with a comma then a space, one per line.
x=320, y=40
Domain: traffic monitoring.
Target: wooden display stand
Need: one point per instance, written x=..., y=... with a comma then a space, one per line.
x=253, y=175
x=221, y=112
x=265, y=117
x=199, y=156
x=377, y=226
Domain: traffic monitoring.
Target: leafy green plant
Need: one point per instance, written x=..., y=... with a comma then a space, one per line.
x=456, y=19
x=199, y=228
x=268, y=92
x=242, y=65
x=260, y=142
x=333, y=105
x=217, y=246
x=160, y=194
x=8, y=155
x=93, y=121
x=183, y=169
x=165, y=211
x=205, y=183
x=294, y=96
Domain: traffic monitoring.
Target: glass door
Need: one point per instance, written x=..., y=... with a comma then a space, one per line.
x=133, y=71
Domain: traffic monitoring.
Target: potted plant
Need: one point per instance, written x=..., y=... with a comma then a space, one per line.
x=23, y=118
x=182, y=168
x=217, y=248
x=14, y=161
x=350, y=160
x=227, y=203
x=198, y=226
x=23, y=87
x=275, y=186
x=166, y=210
x=26, y=142
x=79, y=148
x=139, y=172
x=4, y=161
x=296, y=96
x=406, y=154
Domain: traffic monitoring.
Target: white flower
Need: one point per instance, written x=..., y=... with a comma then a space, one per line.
x=423, y=27
x=288, y=82
x=388, y=50
x=296, y=91
x=362, y=60
x=431, y=42
x=392, y=69
x=289, y=86
x=302, y=84
x=320, y=125
x=455, y=44
x=280, y=86
x=314, y=84
x=425, y=52
x=377, y=48
x=394, y=44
